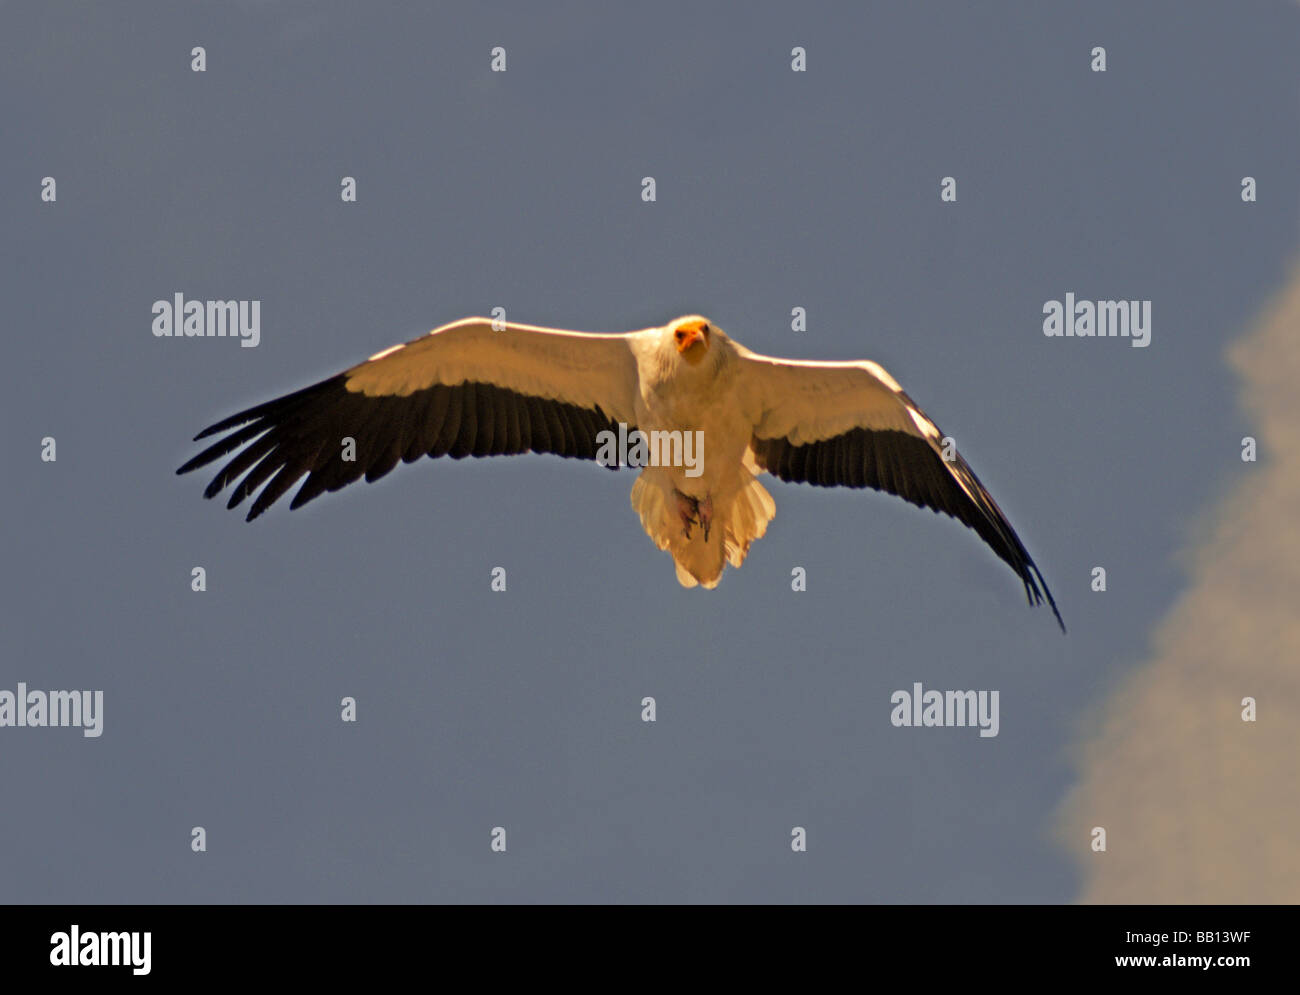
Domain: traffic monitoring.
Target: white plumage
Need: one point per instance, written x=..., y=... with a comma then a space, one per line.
x=471, y=389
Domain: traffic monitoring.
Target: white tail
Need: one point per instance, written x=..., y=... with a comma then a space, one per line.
x=738, y=519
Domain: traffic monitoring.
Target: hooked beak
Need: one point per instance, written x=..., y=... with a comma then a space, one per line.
x=691, y=334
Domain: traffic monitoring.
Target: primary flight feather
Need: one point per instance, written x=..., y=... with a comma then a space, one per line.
x=472, y=389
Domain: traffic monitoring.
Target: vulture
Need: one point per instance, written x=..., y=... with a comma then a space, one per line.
x=703, y=417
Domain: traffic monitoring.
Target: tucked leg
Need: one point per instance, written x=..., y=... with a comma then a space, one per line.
x=688, y=508
x=704, y=511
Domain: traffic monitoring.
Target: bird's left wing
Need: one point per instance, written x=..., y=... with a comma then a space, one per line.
x=465, y=389
x=851, y=424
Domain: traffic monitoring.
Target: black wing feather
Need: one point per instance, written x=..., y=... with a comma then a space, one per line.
x=906, y=465
x=301, y=434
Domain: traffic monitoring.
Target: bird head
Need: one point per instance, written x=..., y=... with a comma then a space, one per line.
x=691, y=337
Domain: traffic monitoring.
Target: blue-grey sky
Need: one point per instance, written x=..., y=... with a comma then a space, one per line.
x=522, y=189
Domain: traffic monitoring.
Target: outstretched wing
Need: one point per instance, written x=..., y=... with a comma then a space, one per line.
x=851, y=425
x=462, y=390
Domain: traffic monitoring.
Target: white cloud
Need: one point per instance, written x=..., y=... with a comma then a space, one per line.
x=1199, y=806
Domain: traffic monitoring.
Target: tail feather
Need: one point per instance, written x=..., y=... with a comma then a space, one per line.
x=737, y=521
x=752, y=510
x=651, y=503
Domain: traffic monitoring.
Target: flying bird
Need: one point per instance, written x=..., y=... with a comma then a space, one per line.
x=723, y=415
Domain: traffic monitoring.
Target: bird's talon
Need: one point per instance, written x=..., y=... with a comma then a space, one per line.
x=704, y=508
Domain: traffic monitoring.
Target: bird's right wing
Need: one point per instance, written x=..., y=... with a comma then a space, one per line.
x=464, y=389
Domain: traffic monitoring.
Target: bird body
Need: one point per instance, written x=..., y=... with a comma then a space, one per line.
x=707, y=398
x=480, y=388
